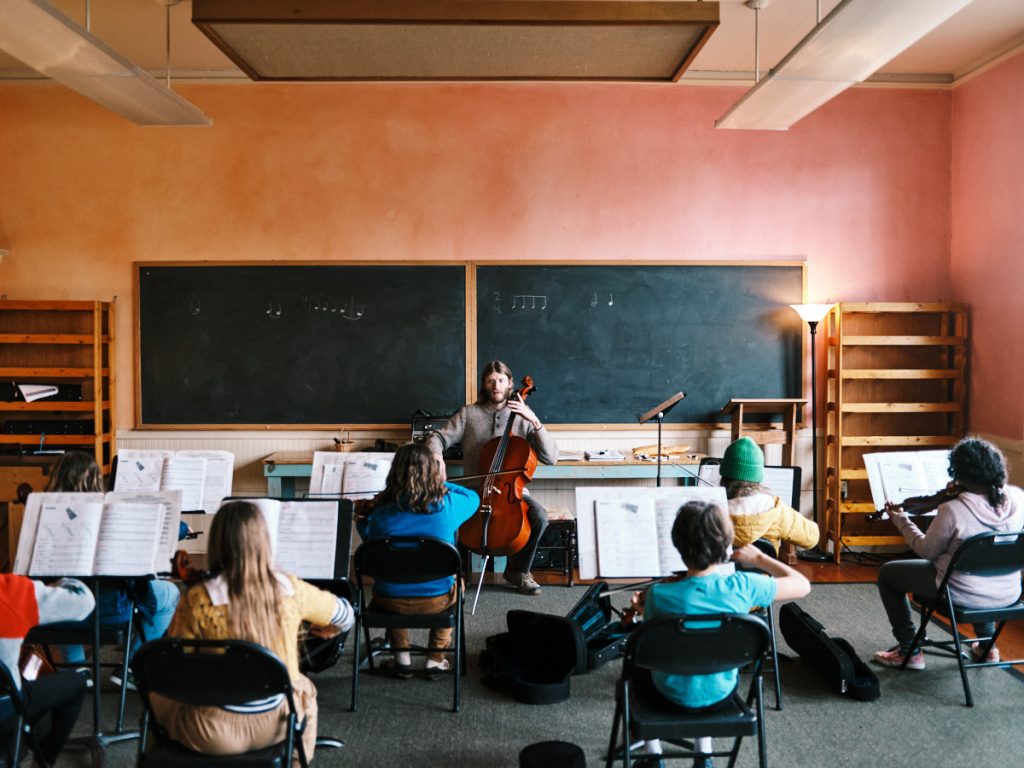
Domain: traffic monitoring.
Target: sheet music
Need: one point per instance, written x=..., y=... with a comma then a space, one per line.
x=140, y=470
x=588, y=496
x=321, y=461
x=271, y=509
x=220, y=468
x=129, y=538
x=897, y=475
x=366, y=474
x=627, y=538
x=67, y=530
x=778, y=481
x=169, y=521
x=307, y=538
x=188, y=475
x=669, y=559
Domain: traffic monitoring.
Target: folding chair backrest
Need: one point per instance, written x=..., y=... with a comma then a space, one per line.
x=209, y=672
x=407, y=559
x=697, y=645
x=989, y=554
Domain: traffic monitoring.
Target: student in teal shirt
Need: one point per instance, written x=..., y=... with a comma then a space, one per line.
x=417, y=501
x=703, y=534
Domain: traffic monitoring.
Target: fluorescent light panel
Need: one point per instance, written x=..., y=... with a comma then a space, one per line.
x=849, y=45
x=53, y=45
x=459, y=39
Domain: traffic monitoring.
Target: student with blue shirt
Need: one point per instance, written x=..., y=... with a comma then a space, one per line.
x=703, y=533
x=417, y=501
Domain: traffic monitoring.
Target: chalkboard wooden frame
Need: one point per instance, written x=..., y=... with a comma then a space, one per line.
x=476, y=306
x=437, y=289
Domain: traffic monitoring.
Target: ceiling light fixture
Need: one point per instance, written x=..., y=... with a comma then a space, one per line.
x=653, y=41
x=52, y=44
x=849, y=45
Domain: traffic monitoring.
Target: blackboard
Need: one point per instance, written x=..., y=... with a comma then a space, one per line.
x=608, y=343
x=299, y=344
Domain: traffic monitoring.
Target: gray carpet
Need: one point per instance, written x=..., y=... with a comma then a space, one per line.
x=920, y=719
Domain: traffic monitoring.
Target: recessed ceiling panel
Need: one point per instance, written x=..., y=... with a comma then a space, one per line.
x=459, y=40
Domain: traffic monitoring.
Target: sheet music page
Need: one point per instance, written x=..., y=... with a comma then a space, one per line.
x=271, y=509
x=27, y=537
x=129, y=538
x=188, y=475
x=627, y=539
x=709, y=475
x=66, y=534
x=365, y=474
x=328, y=469
x=669, y=559
x=307, y=537
x=140, y=470
x=171, y=501
x=779, y=481
x=897, y=475
x=220, y=467
x=588, y=496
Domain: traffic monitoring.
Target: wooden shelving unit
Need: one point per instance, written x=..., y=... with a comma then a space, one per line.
x=896, y=381
x=59, y=343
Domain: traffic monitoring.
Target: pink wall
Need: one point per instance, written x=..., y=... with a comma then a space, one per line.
x=473, y=172
x=988, y=241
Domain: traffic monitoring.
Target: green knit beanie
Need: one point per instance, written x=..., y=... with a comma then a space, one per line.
x=743, y=460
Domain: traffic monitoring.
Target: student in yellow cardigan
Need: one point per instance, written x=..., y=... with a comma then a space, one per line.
x=755, y=512
x=246, y=598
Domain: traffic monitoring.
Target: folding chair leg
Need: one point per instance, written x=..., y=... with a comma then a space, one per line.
x=775, y=659
x=610, y=756
x=355, y=667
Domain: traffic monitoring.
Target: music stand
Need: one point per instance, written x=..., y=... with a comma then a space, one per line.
x=658, y=412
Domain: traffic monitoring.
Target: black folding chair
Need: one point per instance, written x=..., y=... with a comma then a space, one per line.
x=689, y=645
x=18, y=726
x=409, y=560
x=768, y=614
x=97, y=636
x=212, y=673
x=987, y=554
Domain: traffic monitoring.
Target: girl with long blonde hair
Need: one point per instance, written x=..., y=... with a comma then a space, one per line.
x=247, y=598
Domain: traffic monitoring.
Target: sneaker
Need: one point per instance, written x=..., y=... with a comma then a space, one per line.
x=85, y=672
x=394, y=668
x=435, y=669
x=893, y=658
x=703, y=762
x=523, y=582
x=129, y=684
x=992, y=657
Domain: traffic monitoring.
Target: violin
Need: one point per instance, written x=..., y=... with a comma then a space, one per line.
x=921, y=505
x=507, y=463
x=634, y=613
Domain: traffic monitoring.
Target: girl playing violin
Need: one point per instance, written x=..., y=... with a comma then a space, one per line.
x=703, y=534
x=985, y=504
x=418, y=502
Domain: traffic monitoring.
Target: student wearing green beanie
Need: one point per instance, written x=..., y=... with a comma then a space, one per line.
x=755, y=512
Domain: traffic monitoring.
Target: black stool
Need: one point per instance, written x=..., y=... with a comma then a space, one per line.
x=552, y=754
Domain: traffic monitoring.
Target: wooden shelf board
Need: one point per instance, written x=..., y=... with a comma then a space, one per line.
x=50, y=373
x=70, y=339
x=881, y=307
x=69, y=306
x=853, y=474
x=51, y=440
x=857, y=508
x=871, y=541
x=871, y=440
x=902, y=341
x=900, y=373
x=900, y=407
x=53, y=405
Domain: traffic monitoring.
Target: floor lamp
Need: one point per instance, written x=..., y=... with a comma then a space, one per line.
x=812, y=314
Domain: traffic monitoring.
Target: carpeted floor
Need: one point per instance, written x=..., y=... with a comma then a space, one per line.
x=920, y=719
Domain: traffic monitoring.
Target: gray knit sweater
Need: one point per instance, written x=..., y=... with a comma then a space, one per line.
x=477, y=423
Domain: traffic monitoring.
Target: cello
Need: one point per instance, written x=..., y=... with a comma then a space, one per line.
x=499, y=526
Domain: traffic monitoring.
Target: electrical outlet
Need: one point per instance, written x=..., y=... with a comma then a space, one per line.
x=844, y=489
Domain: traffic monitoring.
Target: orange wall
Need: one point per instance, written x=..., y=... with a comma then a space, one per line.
x=988, y=241
x=473, y=172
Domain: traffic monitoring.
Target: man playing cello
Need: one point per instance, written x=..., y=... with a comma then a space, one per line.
x=477, y=423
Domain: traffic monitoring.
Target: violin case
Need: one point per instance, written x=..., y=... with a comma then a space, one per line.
x=536, y=658
x=835, y=660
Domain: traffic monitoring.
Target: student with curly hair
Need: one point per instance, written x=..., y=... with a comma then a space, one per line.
x=986, y=504
x=416, y=501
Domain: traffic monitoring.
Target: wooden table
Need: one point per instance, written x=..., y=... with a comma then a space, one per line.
x=283, y=469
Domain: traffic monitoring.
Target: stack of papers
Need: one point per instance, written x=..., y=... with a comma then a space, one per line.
x=604, y=454
x=33, y=392
x=566, y=455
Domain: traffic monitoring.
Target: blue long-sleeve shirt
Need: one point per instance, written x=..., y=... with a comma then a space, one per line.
x=442, y=522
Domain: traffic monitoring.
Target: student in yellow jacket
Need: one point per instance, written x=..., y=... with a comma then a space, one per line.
x=755, y=512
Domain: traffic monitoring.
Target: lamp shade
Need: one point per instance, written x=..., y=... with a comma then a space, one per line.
x=812, y=313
